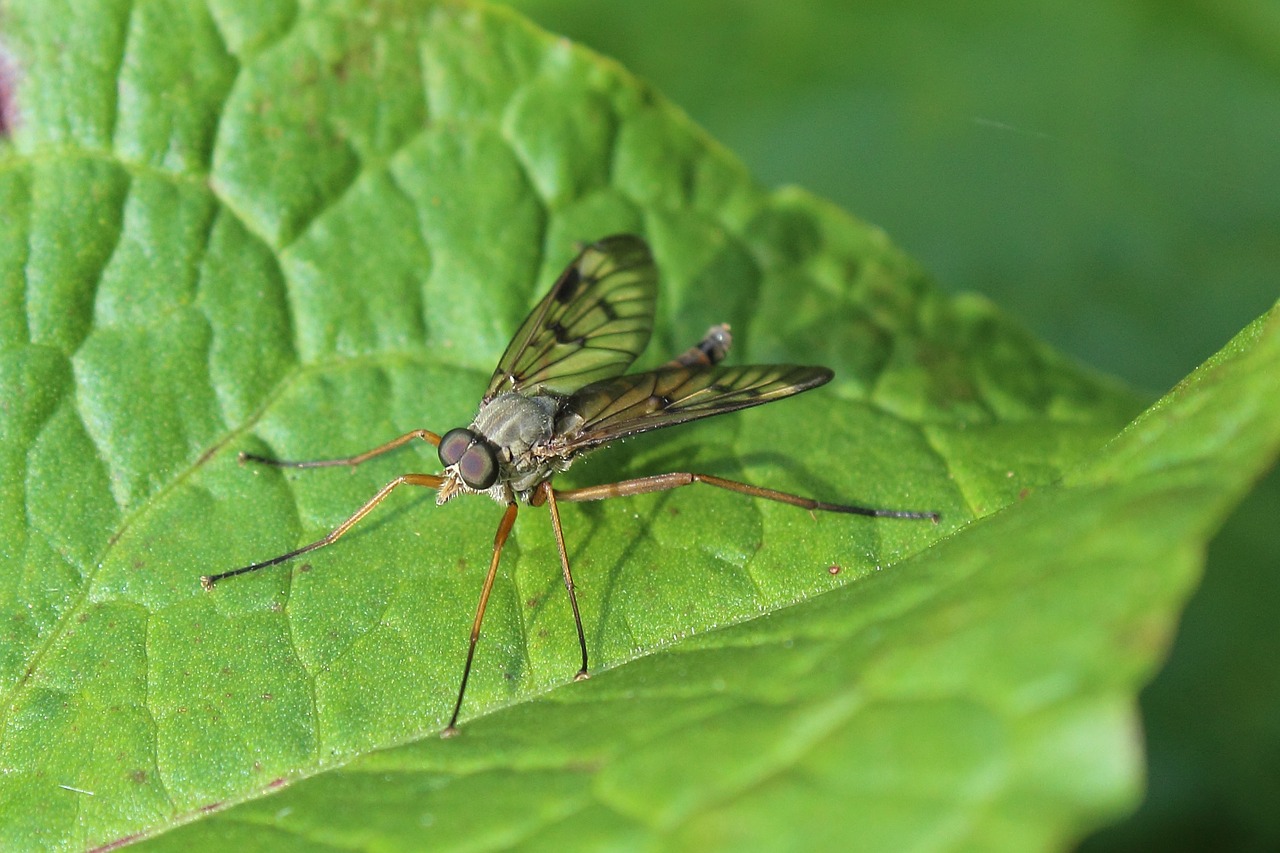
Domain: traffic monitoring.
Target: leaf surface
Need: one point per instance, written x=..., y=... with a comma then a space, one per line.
x=250, y=227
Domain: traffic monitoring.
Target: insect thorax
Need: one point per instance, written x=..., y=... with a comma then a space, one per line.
x=515, y=425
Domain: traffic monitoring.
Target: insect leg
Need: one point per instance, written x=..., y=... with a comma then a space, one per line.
x=430, y=481
x=665, y=482
x=500, y=539
x=544, y=492
x=352, y=461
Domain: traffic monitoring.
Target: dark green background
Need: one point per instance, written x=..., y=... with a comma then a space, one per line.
x=1108, y=173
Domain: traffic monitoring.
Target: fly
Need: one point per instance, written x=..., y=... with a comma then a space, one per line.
x=559, y=391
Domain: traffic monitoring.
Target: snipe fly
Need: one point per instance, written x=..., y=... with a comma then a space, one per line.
x=560, y=391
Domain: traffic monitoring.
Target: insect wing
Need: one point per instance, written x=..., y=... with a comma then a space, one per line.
x=592, y=324
x=626, y=405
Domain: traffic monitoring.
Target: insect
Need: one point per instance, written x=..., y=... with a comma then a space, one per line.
x=560, y=391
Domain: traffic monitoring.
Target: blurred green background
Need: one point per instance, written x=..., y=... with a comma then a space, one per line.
x=1107, y=172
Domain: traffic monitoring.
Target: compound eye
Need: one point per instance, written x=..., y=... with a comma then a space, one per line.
x=454, y=444
x=478, y=468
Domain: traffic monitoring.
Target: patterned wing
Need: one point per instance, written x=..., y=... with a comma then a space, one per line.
x=591, y=325
x=626, y=405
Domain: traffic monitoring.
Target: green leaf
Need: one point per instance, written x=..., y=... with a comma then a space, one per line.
x=1068, y=161
x=241, y=226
